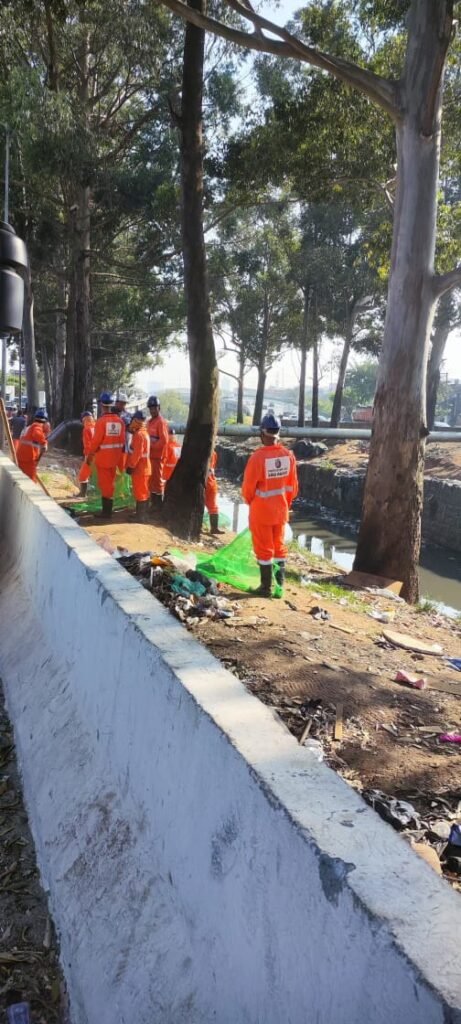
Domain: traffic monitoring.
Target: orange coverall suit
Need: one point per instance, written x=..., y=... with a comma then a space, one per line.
x=173, y=455
x=157, y=428
x=270, y=484
x=107, y=447
x=211, y=488
x=87, y=437
x=31, y=445
x=138, y=460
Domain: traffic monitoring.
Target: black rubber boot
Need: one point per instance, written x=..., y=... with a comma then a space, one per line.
x=214, y=524
x=265, y=589
x=106, y=511
x=84, y=489
x=279, y=577
x=141, y=511
x=156, y=504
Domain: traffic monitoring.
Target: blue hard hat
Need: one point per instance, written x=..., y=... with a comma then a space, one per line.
x=270, y=424
x=85, y=413
x=138, y=415
x=106, y=398
x=152, y=402
x=40, y=414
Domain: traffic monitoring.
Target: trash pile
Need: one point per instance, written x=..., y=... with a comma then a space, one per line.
x=174, y=579
x=431, y=823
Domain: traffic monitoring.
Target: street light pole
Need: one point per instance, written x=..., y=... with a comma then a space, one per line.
x=6, y=213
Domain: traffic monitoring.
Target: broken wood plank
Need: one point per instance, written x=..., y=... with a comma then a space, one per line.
x=447, y=686
x=360, y=580
x=305, y=732
x=341, y=629
x=338, y=729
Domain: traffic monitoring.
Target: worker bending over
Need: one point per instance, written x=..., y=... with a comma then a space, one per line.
x=107, y=450
x=157, y=429
x=270, y=484
x=173, y=455
x=211, y=495
x=88, y=426
x=32, y=445
x=138, y=464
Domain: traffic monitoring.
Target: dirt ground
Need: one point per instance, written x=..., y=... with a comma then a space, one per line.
x=443, y=459
x=29, y=969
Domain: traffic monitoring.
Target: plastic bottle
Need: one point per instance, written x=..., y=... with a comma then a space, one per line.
x=18, y=1013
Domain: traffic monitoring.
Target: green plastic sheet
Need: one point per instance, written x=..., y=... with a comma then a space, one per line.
x=234, y=564
x=123, y=495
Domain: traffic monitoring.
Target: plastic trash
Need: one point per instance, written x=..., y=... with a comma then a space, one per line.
x=234, y=564
x=18, y=1013
x=417, y=683
x=450, y=737
x=456, y=662
x=181, y=585
x=455, y=835
x=381, y=616
x=320, y=613
x=314, y=747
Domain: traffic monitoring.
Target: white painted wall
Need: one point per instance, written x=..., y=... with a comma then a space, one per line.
x=201, y=866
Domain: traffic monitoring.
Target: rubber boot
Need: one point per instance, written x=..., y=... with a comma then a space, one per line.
x=214, y=524
x=156, y=503
x=141, y=511
x=84, y=489
x=265, y=588
x=279, y=577
x=106, y=511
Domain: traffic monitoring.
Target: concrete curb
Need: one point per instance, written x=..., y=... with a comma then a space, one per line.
x=201, y=866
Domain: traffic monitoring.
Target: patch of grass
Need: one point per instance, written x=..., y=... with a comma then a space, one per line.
x=326, y=464
x=335, y=591
x=425, y=606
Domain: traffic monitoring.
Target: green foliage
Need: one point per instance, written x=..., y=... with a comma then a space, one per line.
x=360, y=385
x=173, y=406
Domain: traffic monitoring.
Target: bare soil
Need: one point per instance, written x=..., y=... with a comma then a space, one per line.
x=443, y=459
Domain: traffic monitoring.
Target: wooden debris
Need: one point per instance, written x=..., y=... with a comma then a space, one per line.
x=360, y=580
x=305, y=732
x=341, y=629
x=338, y=730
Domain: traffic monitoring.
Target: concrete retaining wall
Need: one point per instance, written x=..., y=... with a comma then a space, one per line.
x=342, y=491
x=201, y=866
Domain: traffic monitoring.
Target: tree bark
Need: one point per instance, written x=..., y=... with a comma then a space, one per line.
x=439, y=341
x=390, y=531
x=315, y=382
x=338, y=399
x=240, y=382
x=260, y=389
x=28, y=334
x=302, y=373
x=67, y=395
x=185, y=492
x=59, y=354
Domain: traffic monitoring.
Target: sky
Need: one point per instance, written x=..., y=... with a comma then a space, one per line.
x=175, y=369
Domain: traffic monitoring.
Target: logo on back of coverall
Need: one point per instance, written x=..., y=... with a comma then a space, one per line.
x=276, y=468
x=113, y=429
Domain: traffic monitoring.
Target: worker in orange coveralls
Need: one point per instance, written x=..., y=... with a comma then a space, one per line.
x=270, y=484
x=173, y=455
x=32, y=445
x=157, y=429
x=211, y=495
x=107, y=451
x=87, y=437
x=138, y=464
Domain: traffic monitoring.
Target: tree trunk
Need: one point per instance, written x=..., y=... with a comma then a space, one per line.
x=240, y=381
x=315, y=382
x=46, y=362
x=433, y=372
x=28, y=334
x=67, y=395
x=83, y=390
x=338, y=399
x=390, y=531
x=59, y=354
x=302, y=374
x=185, y=492
x=260, y=389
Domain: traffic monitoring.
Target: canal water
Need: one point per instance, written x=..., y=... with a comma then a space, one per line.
x=335, y=540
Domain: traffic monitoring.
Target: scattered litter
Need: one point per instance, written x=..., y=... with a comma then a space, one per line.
x=306, y=731
x=411, y=680
x=18, y=1013
x=291, y=606
x=315, y=747
x=410, y=643
x=381, y=616
x=456, y=662
x=443, y=830
x=450, y=737
x=190, y=595
x=390, y=595
x=428, y=854
x=342, y=629
x=455, y=835
x=106, y=544
x=319, y=613
x=398, y=813
x=362, y=580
